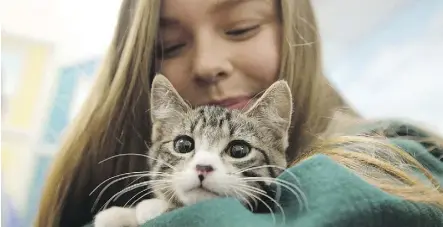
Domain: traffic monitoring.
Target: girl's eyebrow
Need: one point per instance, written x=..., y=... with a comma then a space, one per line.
x=219, y=5
x=226, y=4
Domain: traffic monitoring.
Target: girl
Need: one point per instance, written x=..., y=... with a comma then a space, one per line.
x=224, y=52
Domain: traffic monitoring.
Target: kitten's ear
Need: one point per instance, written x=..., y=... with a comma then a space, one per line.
x=275, y=105
x=166, y=103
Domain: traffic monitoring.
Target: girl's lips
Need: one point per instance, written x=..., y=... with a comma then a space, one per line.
x=235, y=103
x=240, y=104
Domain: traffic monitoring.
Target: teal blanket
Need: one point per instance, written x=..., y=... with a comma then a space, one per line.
x=336, y=197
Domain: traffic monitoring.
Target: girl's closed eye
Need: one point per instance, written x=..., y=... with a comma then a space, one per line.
x=169, y=51
x=239, y=34
x=244, y=32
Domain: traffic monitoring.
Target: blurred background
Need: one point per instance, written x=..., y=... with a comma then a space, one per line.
x=384, y=55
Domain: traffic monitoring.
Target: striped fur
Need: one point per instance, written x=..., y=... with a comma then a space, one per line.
x=263, y=128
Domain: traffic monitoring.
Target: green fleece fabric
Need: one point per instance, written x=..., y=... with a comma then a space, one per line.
x=336, y=197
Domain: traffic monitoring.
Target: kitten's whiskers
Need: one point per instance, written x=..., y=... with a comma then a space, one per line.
x=250, y=194
x=296, y=191
x=241, y=197
x=123, y=174
x=151, y=184
x=138, y=193
x=263, y=193
x=146, y=194
x=135, y=154
x=122, y=177
x=269, y=166
x=172, y=196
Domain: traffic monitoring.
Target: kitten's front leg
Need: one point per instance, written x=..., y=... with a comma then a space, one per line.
x=149, y=209
x=116, y=217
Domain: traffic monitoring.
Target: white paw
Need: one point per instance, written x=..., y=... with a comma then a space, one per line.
x=116, y=217
x=149, y=209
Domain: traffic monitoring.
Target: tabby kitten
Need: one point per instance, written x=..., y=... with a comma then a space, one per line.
x=209, y=151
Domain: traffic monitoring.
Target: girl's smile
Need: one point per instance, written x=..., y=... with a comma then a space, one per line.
x=219, y=52
x=235, y=103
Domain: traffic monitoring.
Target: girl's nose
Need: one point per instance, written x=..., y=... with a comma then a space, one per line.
x=211, y=61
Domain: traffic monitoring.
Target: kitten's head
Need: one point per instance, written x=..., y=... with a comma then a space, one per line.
x=211, y=151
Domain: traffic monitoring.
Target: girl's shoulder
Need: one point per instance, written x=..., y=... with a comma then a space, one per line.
x=342, y=198
x=420, y=143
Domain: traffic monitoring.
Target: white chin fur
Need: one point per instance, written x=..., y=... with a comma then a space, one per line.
x=197, y=195
x=186, y=186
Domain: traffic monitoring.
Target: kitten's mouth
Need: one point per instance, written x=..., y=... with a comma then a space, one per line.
x=200, y=189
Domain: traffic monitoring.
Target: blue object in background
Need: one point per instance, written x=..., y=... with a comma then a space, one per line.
x=10, y=217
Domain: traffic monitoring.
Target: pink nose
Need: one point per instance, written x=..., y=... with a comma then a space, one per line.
x=204, y=169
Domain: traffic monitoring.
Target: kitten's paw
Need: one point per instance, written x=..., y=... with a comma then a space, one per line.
x=149, y=209
x=116, y=217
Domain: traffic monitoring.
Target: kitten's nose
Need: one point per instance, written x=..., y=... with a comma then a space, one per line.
x=203, y=170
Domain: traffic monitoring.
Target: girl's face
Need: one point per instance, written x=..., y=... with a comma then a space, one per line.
x=220, y=52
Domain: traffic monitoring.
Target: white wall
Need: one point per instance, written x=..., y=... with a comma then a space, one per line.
x=385, y=56
x=31, y=18
x=79, y=29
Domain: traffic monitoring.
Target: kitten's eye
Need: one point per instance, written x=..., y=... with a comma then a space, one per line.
x=183, y=144
x=239, y=149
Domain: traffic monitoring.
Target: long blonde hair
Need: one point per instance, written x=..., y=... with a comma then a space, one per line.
x=115, y=119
